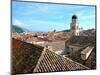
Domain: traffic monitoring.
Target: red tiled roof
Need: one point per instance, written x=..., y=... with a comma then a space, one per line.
x=24, y=56
x=30, y=58
x=51, y=62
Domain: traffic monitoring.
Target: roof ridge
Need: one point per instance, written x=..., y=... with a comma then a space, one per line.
x=71, y=60
x=41, y=56
x=77, y=63
x=74, y=65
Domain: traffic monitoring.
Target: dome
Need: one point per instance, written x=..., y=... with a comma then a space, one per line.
x=74, y=17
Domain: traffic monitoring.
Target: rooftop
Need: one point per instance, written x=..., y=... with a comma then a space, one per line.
x=30, y=58
x=24, y=56
x=80, y=40
x=51, y=62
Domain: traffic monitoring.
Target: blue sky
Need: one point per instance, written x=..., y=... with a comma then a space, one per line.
x=47, y=17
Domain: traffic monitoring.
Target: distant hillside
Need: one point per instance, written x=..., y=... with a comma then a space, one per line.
x=66, y=30
x=17, y=29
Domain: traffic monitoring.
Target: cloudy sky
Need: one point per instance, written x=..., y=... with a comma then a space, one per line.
x=47, y=17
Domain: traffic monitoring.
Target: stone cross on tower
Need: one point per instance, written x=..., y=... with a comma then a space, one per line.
x=74, y=26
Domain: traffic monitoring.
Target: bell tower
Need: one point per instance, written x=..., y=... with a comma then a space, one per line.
x=74, y=27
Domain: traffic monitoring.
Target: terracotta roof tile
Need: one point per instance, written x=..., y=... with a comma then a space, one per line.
x=49, y=62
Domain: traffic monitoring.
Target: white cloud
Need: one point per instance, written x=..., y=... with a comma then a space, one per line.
x=19, y=23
